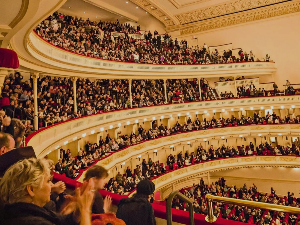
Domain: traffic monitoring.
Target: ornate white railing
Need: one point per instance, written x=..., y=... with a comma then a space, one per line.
x=53, y=55
x=52, y=137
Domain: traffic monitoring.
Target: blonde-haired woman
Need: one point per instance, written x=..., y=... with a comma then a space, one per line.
x=25, y=188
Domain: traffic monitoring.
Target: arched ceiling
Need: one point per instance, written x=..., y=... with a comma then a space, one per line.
x=186, y=16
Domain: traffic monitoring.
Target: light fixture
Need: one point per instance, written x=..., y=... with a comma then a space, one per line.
x=214, y=111
x=171, y=116
x=155, y=150
x=123, y=163
x=279, y=134
x=172, y=146
x=74, y=138
x=139, y=156
x=137, y=7
x=188, y=142
x=293, y=106
x=223, y=110
x=119, y=124
x=101, y=129
x=272, y=107
x=145, y=119
x=109, y=171
x=240, y=135
x=282, y=107
x=251, y=108
x=179, y=114
x=259, y=135
x=205, y=139
x=128, y=122
x=57, y=147
x=153, y=118
x=83, y=135
x=83, y=12
x=232, y=109
x=69, y=7
x=205, y=111
x=146, y=12
x=126, y=2
x=241, y=109
x=261, y=107
x=197, y=113
x=93, y=131
x=66, y=142
x=111, y=126
x=187, y=113
x=222, y=137
x=136, y=121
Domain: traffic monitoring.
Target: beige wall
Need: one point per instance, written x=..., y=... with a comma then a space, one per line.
x=279, y=37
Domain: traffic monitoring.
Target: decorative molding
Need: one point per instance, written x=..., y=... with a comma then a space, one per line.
x=222, y=9
x=179, y=6
x=242, y=17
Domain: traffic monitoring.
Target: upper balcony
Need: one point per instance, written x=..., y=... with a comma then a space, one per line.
x=70, y=61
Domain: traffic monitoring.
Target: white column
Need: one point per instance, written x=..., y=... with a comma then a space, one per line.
x=208, y=178
x=130, y=93
x=235, y=90
x=74, y=79
x=199, y=79
x=3, y=74
x=165, y=90
x=35, y=77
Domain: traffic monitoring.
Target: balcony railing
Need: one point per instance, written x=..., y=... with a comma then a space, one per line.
x=56, y=56
x=47, y=139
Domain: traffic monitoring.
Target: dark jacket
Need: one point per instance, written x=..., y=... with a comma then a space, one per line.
x=30, y=214
x=98, y=204
x=136, y=211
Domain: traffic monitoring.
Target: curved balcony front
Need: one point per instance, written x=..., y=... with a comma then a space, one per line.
x=52, y=137
x=89, y=66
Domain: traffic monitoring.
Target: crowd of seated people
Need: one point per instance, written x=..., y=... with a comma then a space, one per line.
x=56, y=100
x=95, y=39
x=239, y=213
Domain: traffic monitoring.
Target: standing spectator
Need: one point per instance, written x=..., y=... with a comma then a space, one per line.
x=138, y=210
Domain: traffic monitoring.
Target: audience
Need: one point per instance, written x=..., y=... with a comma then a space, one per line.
x=99, y=40
x=239, y=213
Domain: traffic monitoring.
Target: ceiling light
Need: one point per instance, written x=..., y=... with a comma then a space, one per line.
x=232, y=109
x=205, y=111
x=162, y=117
x=126, y=2
x=187, y=113
x=282, y=107
x=172, y=146
x=66, y=142
x=214, y=111
x=153, y=118
x=188, y=142
x=92, y=132
x=145, y=119
x=155, y=150
x=293, y=106
x=128, y=122
x=262, y=107
x=259, y=135
x=279, y=134
x=74, y=138
x=272, y=107
x=240, y=135
x=222, y=137
x=146, y=12
x=119, y=124
x=223, y=110
x=137, y=7
x=179, y=114
x=111, y=126
x=139, y=156
x=241, y=109
x=197, y=113
x=205, y=139
x=123, y=163
x=136, y=121
x=83, y=135
x=171, y=116
x=69, y=7
x=251, y=108
x=101, y=129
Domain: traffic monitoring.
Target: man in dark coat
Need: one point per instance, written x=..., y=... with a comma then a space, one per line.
x=138, y=210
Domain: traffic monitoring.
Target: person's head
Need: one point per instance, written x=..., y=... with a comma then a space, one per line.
x=7, y=143
x=29, y=181
x=6, y=121
x=98, y=174
x=145, y=188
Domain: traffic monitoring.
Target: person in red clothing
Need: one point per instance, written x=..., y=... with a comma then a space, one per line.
x=4, y=101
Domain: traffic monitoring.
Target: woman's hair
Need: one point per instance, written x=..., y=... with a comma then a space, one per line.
x=13, y=185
